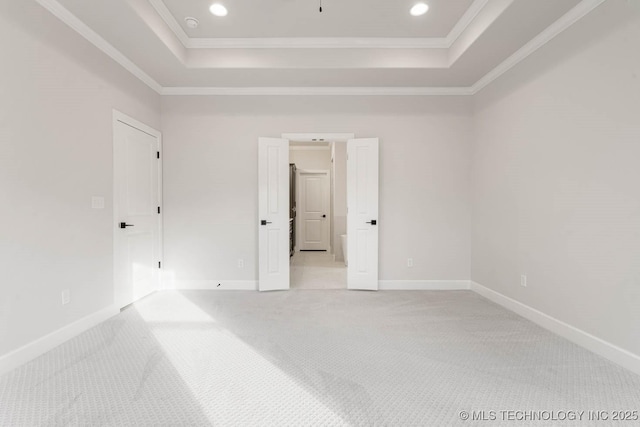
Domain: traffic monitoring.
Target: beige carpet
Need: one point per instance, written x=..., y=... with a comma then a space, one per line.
x=313, y=358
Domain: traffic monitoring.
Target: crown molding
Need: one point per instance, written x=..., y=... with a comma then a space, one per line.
x=574, y=15
x=465, y=21
x=567, y=20
x=169, y=19
x=317, y=91
x=319, y=42
x=81, y=28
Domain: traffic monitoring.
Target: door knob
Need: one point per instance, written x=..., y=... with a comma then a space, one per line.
x=373, y=222
x=324, y=216
x=264, y=222
x=125, y=225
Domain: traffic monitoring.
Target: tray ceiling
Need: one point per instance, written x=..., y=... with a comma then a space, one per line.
x=300, y=18
x=286, y=47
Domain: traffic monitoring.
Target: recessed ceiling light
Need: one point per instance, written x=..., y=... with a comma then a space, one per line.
x=191, y=22
x=218, y=10
x=419, y=9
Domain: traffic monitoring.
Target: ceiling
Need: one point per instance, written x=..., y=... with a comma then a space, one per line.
x=300, y=18
x=309, y=144
x=357, y=47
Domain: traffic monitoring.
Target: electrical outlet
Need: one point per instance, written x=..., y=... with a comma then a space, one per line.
x=240, y=263
x=66, y=297
x=409, y=262
x=523, y=280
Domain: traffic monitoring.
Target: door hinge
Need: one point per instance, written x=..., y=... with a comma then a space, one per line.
x=158, y=209
x=157, y=154
x=159, y=264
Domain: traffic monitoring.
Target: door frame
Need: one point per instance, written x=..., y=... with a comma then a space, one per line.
x=327, y=173
x=119, y=116
x=320, y=137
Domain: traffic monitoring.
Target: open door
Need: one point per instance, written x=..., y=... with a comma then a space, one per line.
x=273, y=210
x=362, y=213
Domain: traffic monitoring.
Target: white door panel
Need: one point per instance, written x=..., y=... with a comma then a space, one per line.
x=137, y=194
x=142, y=262
x=141, y=162
x=313, y=210
x=362, y=213
x=313, y=234
x=273, y=209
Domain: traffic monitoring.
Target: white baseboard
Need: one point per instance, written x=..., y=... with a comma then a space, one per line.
x=40, y=346
x=384, y=285
x=584, y=339
x=423, y=285
x=216, y=285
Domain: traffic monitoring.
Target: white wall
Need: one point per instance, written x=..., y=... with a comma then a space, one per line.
x=556, y=181
x=339, y=198
x=57, y=92
x=310, y=159
x=210, y=172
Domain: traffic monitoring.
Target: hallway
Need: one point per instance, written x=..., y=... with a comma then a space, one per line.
x=317, y=270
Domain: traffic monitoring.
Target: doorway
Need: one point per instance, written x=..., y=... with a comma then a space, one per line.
x=275, y=224
x=316, y=261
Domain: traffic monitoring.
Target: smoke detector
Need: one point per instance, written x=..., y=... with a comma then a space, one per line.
x=191, y=22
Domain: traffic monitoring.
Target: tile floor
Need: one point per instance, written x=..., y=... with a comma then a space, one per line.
x=317, y=270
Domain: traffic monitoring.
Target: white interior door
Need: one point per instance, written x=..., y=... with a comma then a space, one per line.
x=273, y=209
x=362, y=213
x=137, y=201
x=313, y=210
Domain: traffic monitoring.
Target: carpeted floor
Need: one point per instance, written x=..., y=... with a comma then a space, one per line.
x=322, y=357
